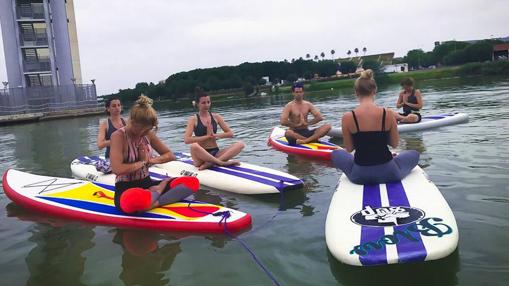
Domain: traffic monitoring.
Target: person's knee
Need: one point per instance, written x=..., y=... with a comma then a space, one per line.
x=327, y=127
x=240, y=144
x=336, y=155
x=194, y=147
x=413, y=155
x=339, y=158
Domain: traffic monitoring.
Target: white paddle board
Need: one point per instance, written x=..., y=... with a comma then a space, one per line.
x=427, y=122
x=243, y=179
x=398, y=222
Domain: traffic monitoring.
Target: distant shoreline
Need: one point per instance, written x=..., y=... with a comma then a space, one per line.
x=43, y=116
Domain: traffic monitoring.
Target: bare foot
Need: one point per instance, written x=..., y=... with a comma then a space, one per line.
x=205, y=165
x=231, y=163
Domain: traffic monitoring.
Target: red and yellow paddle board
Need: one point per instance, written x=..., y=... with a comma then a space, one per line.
x=93, y=202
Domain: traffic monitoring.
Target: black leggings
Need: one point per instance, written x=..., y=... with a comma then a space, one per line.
x=121, y=187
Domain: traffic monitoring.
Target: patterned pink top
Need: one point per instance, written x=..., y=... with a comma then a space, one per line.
x=132, y=156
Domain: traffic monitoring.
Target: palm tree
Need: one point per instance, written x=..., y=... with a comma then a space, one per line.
x=356, y=51
x=349, y=53
x=332, y=52
x=364, y=50
x=308, y=56
x=322, y=55
x=316, y=58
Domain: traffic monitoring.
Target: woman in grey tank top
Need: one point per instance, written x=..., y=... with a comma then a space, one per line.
x=110, y=125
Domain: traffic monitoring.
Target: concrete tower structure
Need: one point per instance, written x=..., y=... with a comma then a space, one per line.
x=40, y=42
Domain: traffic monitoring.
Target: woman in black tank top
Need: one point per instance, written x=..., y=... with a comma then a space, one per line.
x=368, y=129
x=410, y=99
x=204, y=149
x=107, y=127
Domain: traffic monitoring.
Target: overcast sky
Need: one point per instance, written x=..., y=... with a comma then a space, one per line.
x=123, y=42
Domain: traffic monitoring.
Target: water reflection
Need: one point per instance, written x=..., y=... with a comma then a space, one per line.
x=302, y=166
x=147, y=256
x=58, y=254
x=43, y=146
x=414, y=141
x=437, y=272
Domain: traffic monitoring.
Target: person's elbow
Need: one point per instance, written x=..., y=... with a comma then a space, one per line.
x=169, y=157
x=115, y=169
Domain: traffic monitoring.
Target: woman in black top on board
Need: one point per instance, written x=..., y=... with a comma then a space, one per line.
x=204, y=149
x=368, y=129
x=411, y=101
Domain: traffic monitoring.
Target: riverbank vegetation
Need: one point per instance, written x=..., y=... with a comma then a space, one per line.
x=449, y=59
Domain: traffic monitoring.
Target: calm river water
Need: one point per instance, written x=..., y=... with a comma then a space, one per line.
x=469, y=163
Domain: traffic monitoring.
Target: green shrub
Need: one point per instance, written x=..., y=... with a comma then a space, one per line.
x=495, y=68
x=471, y=69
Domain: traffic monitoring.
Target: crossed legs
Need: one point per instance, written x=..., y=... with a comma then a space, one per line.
x=410, y=118
x=203, y=159
x=318, y=133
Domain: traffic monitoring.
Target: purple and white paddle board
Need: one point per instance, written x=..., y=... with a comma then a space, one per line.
x=427, y=122
x=399, y=222
x=243, y=179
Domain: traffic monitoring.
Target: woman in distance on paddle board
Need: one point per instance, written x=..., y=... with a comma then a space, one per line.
x=110, y=125
x=368, y=129
x=204, y=149
x=131, y=155
x=411, y=101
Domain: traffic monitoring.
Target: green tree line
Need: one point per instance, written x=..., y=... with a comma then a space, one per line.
x=243, y=76
x=451, y=53
x=246, y=76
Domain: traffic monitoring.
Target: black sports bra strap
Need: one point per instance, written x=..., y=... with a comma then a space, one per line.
x=383, y=121
x=356, y=123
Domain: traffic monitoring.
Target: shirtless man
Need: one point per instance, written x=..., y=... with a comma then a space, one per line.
x=295, y=116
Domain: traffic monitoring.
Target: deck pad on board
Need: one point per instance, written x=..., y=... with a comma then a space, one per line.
x=398, y=222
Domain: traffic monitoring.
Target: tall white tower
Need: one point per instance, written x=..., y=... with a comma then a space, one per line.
x=40, y=42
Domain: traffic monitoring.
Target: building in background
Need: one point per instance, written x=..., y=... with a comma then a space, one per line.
x=500, y=52
x=42, y=57
x=40, y=42
x=398, y=68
